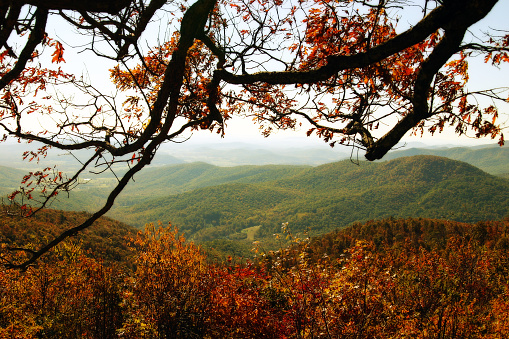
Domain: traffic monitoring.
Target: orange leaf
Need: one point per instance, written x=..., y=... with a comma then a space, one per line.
x=58, y=53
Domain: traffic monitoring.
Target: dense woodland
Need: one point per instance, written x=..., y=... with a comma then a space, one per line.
x=320, y=199
x=393, y=278
x=144, y=73
x=227, y=208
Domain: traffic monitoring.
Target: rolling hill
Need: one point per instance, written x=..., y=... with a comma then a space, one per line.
x=490, y=158
x=329, y=196
x=154, y=182
x=210, y=202
x=10, y=179
x=169, y=180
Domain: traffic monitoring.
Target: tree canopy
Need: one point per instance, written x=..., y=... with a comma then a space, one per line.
x=344, y=67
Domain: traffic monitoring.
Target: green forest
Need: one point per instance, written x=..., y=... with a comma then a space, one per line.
x=227, y=208
x=320, y=199
x=219, y=206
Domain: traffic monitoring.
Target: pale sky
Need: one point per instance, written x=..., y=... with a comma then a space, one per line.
x=481, y=76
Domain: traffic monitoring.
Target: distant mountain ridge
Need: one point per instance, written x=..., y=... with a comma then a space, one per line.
x=208, y=202
x=333, y=195
x=490, y=158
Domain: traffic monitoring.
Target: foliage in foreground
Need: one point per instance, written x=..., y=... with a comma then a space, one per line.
x=409, y=287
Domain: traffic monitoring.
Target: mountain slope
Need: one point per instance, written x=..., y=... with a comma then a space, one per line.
x=333, y=195
x=492, y=159
x=105, y=239
x=211, y=212
x=162, y=181
x=10, y=179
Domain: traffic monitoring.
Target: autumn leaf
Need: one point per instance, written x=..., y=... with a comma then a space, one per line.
x=58, y=54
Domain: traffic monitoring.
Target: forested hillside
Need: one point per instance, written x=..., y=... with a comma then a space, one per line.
x=211, y=203
x=157, y=182
x=161, y=181
x=420, y=247
x=170, y=180
x=392, y=278
x=10, y=179
x=424, y=233
x=490, y=158
x=334, y=195
x=105, y=240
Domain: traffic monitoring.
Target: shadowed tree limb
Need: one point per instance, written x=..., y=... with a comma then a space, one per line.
x=192, y=27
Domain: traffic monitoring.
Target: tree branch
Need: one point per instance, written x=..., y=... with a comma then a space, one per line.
x=438, y=18
x=36, y=37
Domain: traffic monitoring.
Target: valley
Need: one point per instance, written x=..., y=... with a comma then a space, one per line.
x=423, y=234
x=247, y=203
